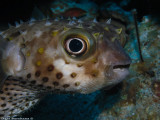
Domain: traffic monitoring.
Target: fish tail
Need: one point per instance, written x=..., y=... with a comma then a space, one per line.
x=3, y=75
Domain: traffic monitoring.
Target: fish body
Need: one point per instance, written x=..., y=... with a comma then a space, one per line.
x=58, y=56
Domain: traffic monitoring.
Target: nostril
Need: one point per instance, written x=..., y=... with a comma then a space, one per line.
x=121, y=66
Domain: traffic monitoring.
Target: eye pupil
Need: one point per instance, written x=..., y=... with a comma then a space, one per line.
x=75, y=45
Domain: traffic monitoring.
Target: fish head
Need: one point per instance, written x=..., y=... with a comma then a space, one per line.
x=91, y=59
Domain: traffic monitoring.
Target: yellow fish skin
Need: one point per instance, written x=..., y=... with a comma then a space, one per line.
x=58, y=56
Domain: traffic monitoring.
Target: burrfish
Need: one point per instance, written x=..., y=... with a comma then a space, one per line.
x=64, y=56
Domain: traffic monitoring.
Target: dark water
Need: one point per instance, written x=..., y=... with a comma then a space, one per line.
x=14, y=10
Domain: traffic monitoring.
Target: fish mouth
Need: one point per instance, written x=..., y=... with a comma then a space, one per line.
x=121, y=67
x=117, y=72
x=121, y=71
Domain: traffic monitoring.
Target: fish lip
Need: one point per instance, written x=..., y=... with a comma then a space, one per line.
x=122, y=65
x=119, y=70
x=121, y=73
x=125, y=66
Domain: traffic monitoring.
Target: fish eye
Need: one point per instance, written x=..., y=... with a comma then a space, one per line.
x=78, y=43
x=75, y=46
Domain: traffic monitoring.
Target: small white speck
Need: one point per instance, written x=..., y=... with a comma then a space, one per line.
x=71, y=22
x=31, y=22
x=38, y=33
x=145, y=19
x=80, y=21
x=56, y=19
x=23, y=32
x=17, y=24
x=21, y=21
x=95, y=21
x=74, y=18
x=1, y=33
x=4, y=36
x=48, y=23
x=158, y=36
x=109, y=21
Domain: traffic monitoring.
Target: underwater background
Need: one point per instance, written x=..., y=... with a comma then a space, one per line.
x=138, y=96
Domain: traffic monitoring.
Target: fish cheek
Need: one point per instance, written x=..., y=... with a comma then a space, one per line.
x=14, y=59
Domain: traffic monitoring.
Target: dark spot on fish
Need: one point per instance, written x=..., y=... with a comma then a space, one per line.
x=11, y=88
x=1, y=115
x=10, y=98
x=8, y=93
x=27, y=99
x=94, y=73
x=66, y=62
x=38, y=73
x=15, y=79
x=59, y=75
x=66, y=85
x=50, y=68
x=20, y=78
x=7, y=84
x=27, y=104
x=79, y=65
x=9, y=77
x=6, y=89
x=33, y=82
x=3, y=98
x=28, y=75
x=14, y=104
x=21, y=101
x=22, y=108
x=55, y=83
x=40, y=85
x=45, y=79
x=3, y=105
x=49, y=87
x=1, y=92
x=57, y=90
x=33, y=102
x=73, y=75
x=23, y=82
x=15, y=94
x=5, y=109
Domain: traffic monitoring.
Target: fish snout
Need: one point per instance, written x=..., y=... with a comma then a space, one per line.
x=118, y=68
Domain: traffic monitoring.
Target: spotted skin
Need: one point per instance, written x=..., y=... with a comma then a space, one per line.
x=14, y=98
x=37, y=61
